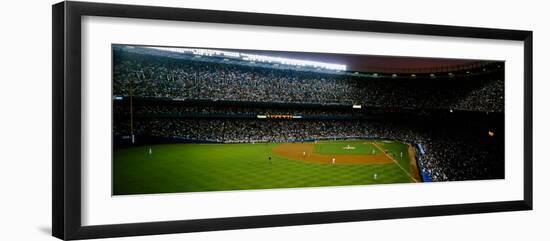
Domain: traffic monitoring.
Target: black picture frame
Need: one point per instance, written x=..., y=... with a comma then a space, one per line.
x=66, y=128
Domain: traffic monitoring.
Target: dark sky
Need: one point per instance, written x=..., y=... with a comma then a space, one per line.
x=372, y=63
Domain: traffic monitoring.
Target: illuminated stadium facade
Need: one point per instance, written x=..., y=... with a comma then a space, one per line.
x=254, y=58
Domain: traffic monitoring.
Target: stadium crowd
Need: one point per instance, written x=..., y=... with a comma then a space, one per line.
x=152, y=76
x=175, y=110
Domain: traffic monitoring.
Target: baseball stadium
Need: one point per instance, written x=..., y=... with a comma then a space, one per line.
x=197, y=119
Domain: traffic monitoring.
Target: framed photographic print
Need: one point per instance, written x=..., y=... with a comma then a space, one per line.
x=170, y=120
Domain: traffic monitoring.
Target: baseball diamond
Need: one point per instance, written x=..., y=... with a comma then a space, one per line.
x=220, y=167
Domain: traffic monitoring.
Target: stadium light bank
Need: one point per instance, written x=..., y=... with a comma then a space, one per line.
x=254, y=58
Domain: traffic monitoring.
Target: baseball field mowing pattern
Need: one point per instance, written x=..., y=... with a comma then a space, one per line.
x=215, y=167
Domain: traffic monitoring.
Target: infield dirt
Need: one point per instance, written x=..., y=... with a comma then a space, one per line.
x=295, y=151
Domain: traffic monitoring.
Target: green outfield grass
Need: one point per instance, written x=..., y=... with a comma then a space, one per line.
x=395, y=148
x=216, y=167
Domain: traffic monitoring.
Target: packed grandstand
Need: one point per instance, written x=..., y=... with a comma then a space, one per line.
x=454, y=119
